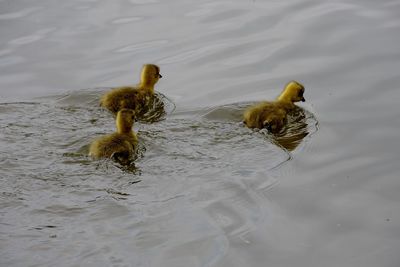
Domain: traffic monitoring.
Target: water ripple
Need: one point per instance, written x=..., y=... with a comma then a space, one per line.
x=141, y=46
x=193, y=54
x=12, y=60
x=19, y=14
x=32, y=38
x=143, y=2
x=206, y=191
x=126, y=20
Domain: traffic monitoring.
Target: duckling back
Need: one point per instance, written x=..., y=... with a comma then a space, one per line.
x=274, y=121
x=137, y=97
x=252, y=114
x=126, y=97
x=121, y=144
x=268, y=115
x=113, y=144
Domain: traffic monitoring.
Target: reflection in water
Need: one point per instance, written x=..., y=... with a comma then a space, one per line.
x=295, y=129
x=299, y=124
x=157, y=109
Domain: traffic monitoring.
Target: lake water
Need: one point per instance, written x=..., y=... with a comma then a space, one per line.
x=205, y=191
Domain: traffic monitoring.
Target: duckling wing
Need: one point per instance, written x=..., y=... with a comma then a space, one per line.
x=268, y=115
x=273, y=118
x=117, y=98
x=106, y=146
x=124, y=155
x=251, y=116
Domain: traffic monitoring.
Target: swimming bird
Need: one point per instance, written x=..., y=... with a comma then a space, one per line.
x=121, y=145
x=272, y=115
x=136, y=97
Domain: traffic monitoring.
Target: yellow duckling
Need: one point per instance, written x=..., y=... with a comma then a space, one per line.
x=273, y=115
x=133, y=97
x=120, y=145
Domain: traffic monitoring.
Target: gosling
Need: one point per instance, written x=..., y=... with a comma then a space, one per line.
x=121, y=145
x=136, y=97
x=273, y=115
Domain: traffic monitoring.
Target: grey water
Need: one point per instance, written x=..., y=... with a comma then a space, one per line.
x=205, y=190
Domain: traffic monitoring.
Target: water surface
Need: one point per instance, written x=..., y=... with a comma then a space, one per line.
x=205, y=191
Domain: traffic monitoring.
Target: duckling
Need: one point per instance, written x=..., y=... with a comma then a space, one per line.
x=133, y=97
x=273, y=115
x=122, y=144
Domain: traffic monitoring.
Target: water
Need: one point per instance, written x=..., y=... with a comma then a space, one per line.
x=205, y=191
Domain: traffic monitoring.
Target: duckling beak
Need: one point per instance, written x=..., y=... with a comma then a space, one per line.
x=303, y=99
x=159, y=76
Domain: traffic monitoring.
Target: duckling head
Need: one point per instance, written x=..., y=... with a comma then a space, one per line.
x=125, y=120
x=150, y=75
x=293, y=92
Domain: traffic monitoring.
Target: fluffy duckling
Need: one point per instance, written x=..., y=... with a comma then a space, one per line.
x=133, y=97
x=273, y=115
x=122, y=144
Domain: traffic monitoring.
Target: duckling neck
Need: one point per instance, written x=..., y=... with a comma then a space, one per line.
x=284, y=101
x=146, y=86
x=122, y=130
x=282, y=98
x=285, y=97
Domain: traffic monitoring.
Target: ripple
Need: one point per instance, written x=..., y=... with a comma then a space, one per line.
x=192, y=54
x=143, y=2
x=32, y=38
x=26, y=39
x=301, y=123
x=201, y=11
x=89, y=99
x=141, y=46
x=194, y=141
x=60, y=210
x=12, y=60
x=126, y=20
x=19, y=14
x=328, y=8
x=224, y=16
x=4, y=52
x=208, y=191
